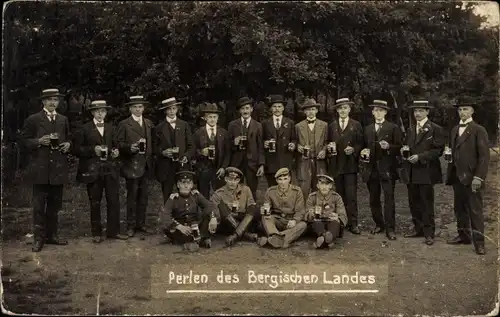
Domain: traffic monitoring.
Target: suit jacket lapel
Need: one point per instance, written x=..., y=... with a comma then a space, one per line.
x=108, y=137
x=220, y=141
x=422, y=133
x=303, y=129
x=179, y=127
x=47, y=125
x=461, y=139
x=136, y=127
x=453, y=136
x=318, y=129
x=95, y=133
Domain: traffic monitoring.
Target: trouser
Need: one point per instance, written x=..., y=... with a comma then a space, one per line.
x=167, y=187
x=271, y=180
x=321, y=227
x=347, y=187
x=47, y=201
x=94, y=190
x=278, y=225
x=421, y=201
x=208, y=176
x=237, y=223
x=251, y=179
x=468, y=207
x=137, y=202
x=387, y=219
x=178, y=237
x=306, y=175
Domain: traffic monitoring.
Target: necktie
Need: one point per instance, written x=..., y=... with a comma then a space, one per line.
x=378, y=126
x=342, y=124
x=419, y=128
x=52, y=117
x=212, y=134
x=245, y=123
x=100, y=125
x=277, y=124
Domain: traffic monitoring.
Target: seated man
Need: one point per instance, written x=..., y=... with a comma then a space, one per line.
x=282, y=212
x=325, y=212
x=236, y=205
x=184, y=222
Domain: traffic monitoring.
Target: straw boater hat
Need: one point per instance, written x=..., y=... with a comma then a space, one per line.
x=309, y=103
x=210, y=108
x=244, y=101
x=98, y=104
x=272, y=99
x=420, y=103
x=380, y=104
x=52, y=92
x=137, y=100
x=343, y=101
x=169, y=102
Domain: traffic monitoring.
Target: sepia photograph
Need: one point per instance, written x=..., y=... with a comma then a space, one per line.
x=335, y=158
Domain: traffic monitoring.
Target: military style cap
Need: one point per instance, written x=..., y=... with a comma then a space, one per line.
x=282, y=172
x=234, y=170
x=184, y=175
x=343, y=101
x=52, y=92
x=380, y=104
x=167, y=103
x=325, y=178
x=137, y=100
x=420, y=103
x=309, y=103
x=98, y=104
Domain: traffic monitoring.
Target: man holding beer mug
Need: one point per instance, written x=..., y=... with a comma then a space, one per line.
x=188, y=217
x=325, y=212
x=236, y=205
x=97, y=167
x=422, y=169
x=383, y=142
x=279, y=139
x=345, y=141
x=213, y=151
x=133, y=137
x=173, y=146
x=282, y=213
x=46, y=137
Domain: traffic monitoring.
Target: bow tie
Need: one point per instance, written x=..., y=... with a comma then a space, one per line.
x=99, y=125
x=463, y=125
x=171, y=122
x=311, y=121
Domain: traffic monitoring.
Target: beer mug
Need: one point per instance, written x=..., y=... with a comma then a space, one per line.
x=272, y=146
x=211, y=152
x=266, y=209
x=54, y=141
x=447, y=154
x=142, y=146
x=175, y=154
x=317, y=212
x=365, y=156
x=195, y=231
x=243, y=142
x=234, y=206
x=332, y=148
x=104, y=153
x=406, y=152
x=305, y=154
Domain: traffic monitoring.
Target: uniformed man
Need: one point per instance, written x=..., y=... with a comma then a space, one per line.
x=236, y=206
x=282, y=212
x=422, y=169
x=383, y=142
x=467, y=172
x=188, y=217
x=312, y=137
x=345, y=141
x=325, y=212
x=46, y=137
x=99, y=169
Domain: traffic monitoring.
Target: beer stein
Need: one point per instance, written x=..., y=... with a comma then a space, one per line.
x=104, y=153
x=195, y=231
x=243, y=142
x=406, y=152
x=332, y=148
x=54, y=141
x=272, y=146
x=142, y=146
x=305, y=154
x=365, y=156
x=211, y=152
x=234, y=206
x=175, y=154
x=317, y=212
x=447, y=154
x=266, y=208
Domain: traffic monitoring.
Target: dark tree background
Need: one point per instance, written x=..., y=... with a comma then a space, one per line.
x=220, y=51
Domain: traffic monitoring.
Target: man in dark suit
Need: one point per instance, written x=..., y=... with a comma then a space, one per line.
x=173, y=146
x=99, y=169
x=133, y=137
x=467, y=172
x=245, y=134
x=213, y=151
x=46, y=136
x=312, y=137
x=279, y=139
x=383, y=142
x=422, y=169
x=343, y=160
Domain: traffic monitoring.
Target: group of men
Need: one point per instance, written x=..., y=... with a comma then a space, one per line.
x=325, y=159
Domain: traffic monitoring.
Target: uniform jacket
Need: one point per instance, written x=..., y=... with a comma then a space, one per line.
x=186, y=209
x=386, y=162
x=242, y=194
x=134, y=165
x=222, y=152
x=255, y=148
x=285, y=135
x=320, y=141
x=471, y=154
x=331, y=203
x=352, y=135
x=90, y=167
x=288, y=204
x=45, y=165
x=165, y=167
x=428, y=145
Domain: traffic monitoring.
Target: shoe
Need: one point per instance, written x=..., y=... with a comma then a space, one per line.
x=377, y=230
x=250, y=236
x=206, y=243
x=354, y=230
x=391, y=235
x=331, y=245
x=37, y=246
x=144, y=229
x=191, y=246
x=458, y=240
x=231, y=240
x=96, y=239
x=262, y=241
x=130, y=233
x=118, y=236
x=328, y=237
x=429, y=241
x=480, y=250
x=319, y=242
x=414, y=234
x=56, y=240
x=276, y=241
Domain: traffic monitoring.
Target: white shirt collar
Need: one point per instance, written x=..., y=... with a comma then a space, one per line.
x=96, y=122
x=383, y=120
x=169, y=120
x=248, y=120
x=138, y=119
x=47, y=112
x=466, y=121
x=280, y=118
x=422, y=122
